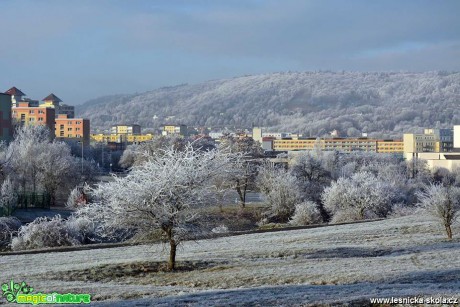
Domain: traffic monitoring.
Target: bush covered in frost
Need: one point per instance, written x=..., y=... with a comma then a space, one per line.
x=306, y=213
x=46, y=232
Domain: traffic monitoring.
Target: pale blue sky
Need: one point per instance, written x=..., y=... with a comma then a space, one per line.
x=84, y=49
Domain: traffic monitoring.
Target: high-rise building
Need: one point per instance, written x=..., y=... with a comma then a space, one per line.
x=6, y=128
x=26, y=114
x=72, y=129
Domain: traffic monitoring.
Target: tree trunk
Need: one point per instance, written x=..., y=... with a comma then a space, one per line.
x=449, y=232
x=172, y=255
x=241, y=195
x=172, y=248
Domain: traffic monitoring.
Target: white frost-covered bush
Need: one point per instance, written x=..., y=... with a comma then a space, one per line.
x=306, y=213
x=45, y=232
x=220, y=229
x=8, y=225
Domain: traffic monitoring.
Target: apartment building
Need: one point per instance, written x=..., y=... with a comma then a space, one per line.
x=390, y=146
x=431, y=140
x=174, y=129
x=16, y=95
x=52, y=101
x=27, y=114
x=6, y=128
x=72, y=129
x=126, y=129
x=121, y=138
x=338, y=144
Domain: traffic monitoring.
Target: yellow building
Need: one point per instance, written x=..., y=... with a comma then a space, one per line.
x=121, y=138
x=339, y=144
x=125, y=129
x=390, y=146
x=296, y=144
x=175, y=129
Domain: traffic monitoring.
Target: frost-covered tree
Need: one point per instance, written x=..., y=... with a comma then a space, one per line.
x=24, y=166
x=244, y=172
x=280, y=190
x=38, y=164
x=443, y=203
x=305, y=213
x=57, y=168
x=8, y=197
x=313, y=178
x=362, y=196
x=163, y=193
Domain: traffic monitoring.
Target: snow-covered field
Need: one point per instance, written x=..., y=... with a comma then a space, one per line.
x=400, y=257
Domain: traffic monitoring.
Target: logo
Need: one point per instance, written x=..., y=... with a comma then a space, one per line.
x=22, y=293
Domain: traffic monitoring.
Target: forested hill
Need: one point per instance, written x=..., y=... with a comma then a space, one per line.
x=314, y=103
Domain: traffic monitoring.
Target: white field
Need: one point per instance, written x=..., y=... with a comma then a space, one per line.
x=399, y=257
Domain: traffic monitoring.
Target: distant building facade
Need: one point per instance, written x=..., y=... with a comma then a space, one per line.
x=175, y=130
x=6, y=127
x=74, y=129
x=26, y=114
x=126, y=129
x=16, y=95
x=52, y=101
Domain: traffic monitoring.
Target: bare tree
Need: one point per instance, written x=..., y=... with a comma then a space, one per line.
x=245, y=170
x=163, y=193
x=443, y=203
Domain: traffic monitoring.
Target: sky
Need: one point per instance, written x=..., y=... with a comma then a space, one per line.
x=84, y=49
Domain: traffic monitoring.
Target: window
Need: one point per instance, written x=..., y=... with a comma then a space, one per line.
x=61, y=134
x=77, y=129
x=31, y=111
x=69, y=129
x=40, y=119
x=23, y=117
x=61, y=127
x=69, y=123
x=69, y=135
x=41, y=112
x=31, y=119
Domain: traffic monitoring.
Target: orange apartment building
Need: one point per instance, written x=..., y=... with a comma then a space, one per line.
x=26, y=114
x=76, y=129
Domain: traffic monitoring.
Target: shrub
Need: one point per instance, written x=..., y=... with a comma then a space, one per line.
x=306, y=213
x=46, y=232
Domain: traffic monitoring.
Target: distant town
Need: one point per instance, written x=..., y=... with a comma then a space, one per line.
x=439, y=147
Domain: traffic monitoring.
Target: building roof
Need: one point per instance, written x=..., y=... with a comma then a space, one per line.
x=452, y=157
x=52, y=97
x=14, y=91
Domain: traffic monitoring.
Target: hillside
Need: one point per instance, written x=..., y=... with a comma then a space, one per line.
x=313, y=103
x=399, y=257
